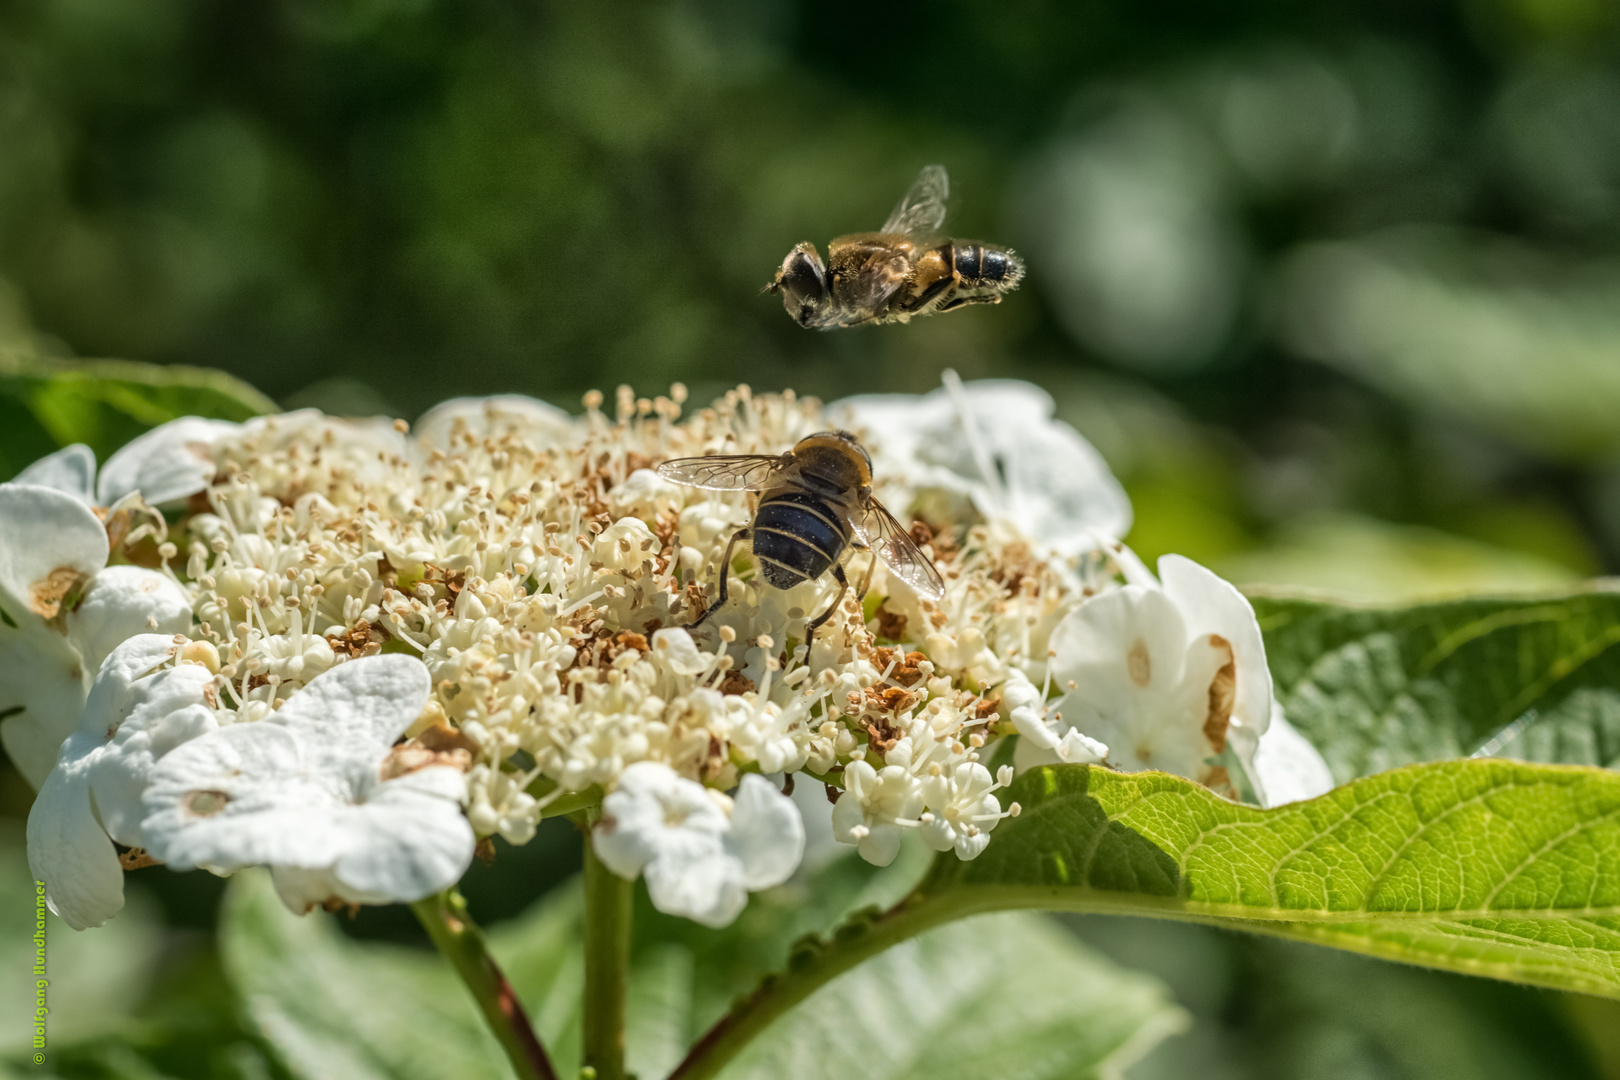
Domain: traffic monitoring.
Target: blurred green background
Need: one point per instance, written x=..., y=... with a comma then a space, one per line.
x=1334, y=286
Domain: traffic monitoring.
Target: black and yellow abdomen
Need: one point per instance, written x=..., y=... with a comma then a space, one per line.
x=797, y=536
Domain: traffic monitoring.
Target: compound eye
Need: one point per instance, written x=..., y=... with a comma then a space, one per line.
x=803, y=279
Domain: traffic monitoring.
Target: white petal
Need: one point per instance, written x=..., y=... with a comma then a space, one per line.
x=707, y=889
x=766, y=835
x=846, y=817
x=369, y=700
x=245, y=795
x=1211, y=605
x=881, y=845
x=69, y=851
x=970, y=845
x=43, y=530
x=540, y=421
x=938, y=834
x=305, y=890
x=1118, y=645
x=675, y=648
x=655, y=814
x=120, y=602
x=112, y=696
x=996, y=441
x=409, y=839
x=1287, y=768
x=172, y=461
x=71, y=470
x=161, y=712
x=1033, y=729
x=41, y=674
x=1078, y=749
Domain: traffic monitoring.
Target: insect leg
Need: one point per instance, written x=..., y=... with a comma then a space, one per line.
x=927, y=295
x=725, y=570
x=866, y=582
x=815, y=624
x=962, y=301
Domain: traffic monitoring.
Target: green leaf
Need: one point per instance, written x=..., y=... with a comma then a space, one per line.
x=47, y=404
x=338, y=1009
x=1010, y=995
x=1487, y=867
x=1378, y=687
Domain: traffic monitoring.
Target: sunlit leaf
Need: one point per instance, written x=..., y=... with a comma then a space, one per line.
x=1488, y=867
x=1535, y=677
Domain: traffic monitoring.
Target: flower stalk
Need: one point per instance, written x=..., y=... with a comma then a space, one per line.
x=608, y=904
x=444, y=917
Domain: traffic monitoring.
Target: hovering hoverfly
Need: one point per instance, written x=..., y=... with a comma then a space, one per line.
x=901, y=271
x=815, y=502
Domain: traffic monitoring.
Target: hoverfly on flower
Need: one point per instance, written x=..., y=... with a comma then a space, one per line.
x=816, y=502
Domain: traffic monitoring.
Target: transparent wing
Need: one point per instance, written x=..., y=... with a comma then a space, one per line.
x=723, y=472
x=922, y=211
x=894, y=546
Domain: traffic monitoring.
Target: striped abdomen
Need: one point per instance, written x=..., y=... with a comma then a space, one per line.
x=797, y=536
x=985, y=266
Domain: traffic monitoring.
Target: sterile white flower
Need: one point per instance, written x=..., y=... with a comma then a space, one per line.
x=170, y=462
x=1165, y=676
x=307, y=791
x=700, y=856
x=996, y=442
x=64, y=612
x=139, y=709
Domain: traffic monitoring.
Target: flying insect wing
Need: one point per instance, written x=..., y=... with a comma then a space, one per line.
x=725, y=472
x=922, y=212
x=894, y=546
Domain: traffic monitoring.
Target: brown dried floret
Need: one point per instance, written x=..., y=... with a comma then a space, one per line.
x=361, y=639
x=440, y=744
x=881, y=735
x=891, y=624
x=736, y=682
x=905, y=669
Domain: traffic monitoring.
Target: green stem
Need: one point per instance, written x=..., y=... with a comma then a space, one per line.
x=809, y=970
x=608, y=900
x=445, y=919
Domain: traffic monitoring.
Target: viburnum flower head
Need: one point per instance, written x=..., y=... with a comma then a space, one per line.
x=397, y=642
x=701, y=852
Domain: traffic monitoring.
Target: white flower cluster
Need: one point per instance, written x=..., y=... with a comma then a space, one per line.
x=361, y=648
